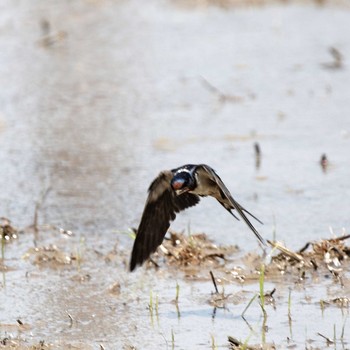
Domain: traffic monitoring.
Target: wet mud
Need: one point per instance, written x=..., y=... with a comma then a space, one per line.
x=189, y=275
x=97, y=97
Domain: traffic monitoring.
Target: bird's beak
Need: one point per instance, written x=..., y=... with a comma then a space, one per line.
x=181, y=191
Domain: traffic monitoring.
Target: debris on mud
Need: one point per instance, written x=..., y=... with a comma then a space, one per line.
x=50, y=256
x=196, y=255
x=115, y=288
x=81, y=278
x=194, y=250
x=7, y=231
x=236, y=344
x=218, y=300
x=18, y=343
x=331, y=254
x=342, y=302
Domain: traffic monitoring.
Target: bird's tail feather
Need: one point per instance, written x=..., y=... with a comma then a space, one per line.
x=240, y=211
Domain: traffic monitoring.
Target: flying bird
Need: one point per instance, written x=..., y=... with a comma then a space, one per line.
x=173, y=191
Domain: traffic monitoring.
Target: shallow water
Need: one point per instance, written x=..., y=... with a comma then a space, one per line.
x=124, y=91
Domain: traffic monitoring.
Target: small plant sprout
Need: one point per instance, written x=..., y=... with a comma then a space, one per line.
x=213, y=345
x=343, y=330
x=80, y=252
x=262, y=301
x=176, y=301
x=290, y=313
x=172, y=339
x=261, y=287
x=322, y=306
x=156, y=306
x=177, y=293
x=150, y=305
x=37, y=208
x=290, y=304
x=245, y=344
x=130, y=232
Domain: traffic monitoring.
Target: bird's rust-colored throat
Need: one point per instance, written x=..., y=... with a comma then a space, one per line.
x=176, y=185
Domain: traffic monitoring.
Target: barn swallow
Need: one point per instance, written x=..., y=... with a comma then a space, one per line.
x=173, y=191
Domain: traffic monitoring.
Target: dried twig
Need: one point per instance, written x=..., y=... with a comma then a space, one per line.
x=214, y=282
x=286, y=251
x=329, y=341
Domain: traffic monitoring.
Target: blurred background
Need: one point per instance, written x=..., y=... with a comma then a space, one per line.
x=99, y=96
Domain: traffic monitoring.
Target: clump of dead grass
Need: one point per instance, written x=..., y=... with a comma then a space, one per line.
x=196, y=255
x=331, y=254
x=193, y=250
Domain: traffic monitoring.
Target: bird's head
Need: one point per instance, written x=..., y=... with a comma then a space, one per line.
x=183, y=182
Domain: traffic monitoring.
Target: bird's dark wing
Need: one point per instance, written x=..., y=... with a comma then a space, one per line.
x=225, y=193
x=161, y=207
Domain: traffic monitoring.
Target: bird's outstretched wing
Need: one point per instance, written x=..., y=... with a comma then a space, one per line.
x=161, y=207
x=225, y=194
